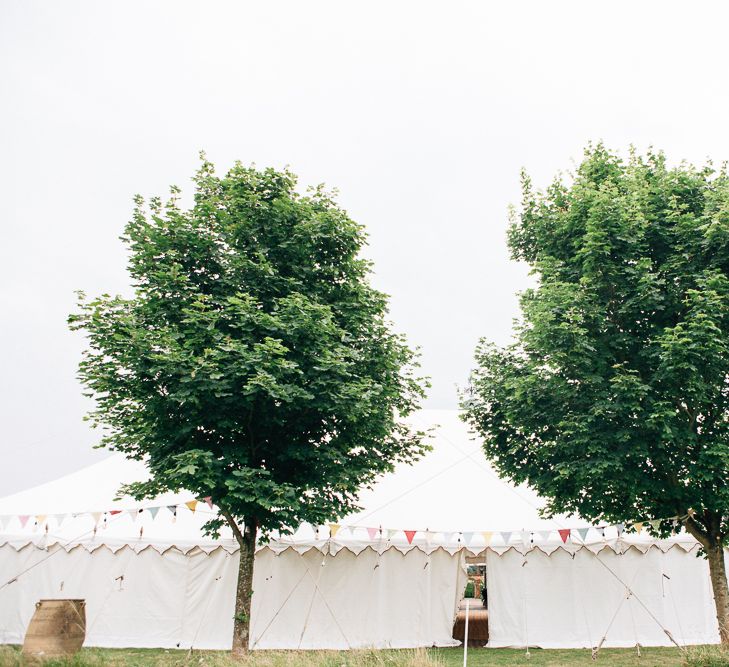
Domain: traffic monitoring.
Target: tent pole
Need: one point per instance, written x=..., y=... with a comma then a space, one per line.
x=465, y=636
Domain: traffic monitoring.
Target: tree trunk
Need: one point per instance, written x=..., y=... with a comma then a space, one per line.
x=717, y=570
x=711, y=540
x=244, y=589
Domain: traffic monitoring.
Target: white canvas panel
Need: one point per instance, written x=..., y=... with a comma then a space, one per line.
x=574, y=601
x=355, y=601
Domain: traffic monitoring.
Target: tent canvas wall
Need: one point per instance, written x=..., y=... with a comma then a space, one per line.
x=157, y=581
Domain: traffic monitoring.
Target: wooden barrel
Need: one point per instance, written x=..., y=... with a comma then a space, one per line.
x=57, y=629
x=478, y=624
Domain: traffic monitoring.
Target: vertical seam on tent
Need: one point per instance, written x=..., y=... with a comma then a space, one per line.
x=188, y=564
x=278, y=611
x=326, y=604
x=631, y=595
x=111, y=590
x=673, y=600
x=584, y=608
x=524, y=600
x=311, y=602
x=368, y=607
x=209, y=599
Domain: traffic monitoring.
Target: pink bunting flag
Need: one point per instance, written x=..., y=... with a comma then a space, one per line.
x=564, y=533
x=410, y=534
x=23, y=518
x=372, y=533
x=209, y=501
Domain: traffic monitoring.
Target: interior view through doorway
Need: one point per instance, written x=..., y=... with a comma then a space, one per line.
x=475, y=598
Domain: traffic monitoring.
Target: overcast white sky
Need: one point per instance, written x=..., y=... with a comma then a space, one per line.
x=421, y=113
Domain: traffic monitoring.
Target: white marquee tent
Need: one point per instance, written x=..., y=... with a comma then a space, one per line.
x=389, y=576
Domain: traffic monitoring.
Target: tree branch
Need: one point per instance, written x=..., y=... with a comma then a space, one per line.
x=233, y=526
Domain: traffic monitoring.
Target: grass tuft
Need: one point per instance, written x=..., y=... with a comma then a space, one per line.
x=707, y=656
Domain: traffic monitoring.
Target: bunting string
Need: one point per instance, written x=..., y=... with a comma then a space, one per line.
x=205, y=506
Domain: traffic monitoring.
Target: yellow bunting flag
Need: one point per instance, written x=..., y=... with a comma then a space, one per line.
x=40, y=518
x=334, y=529
x=191, y=505
x=638, y=526
x=487, y=534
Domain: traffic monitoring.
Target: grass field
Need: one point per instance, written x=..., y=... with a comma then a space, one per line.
x=651, y=657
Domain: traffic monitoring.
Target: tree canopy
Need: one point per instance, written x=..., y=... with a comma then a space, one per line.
x=254, y=363
x=612, y=400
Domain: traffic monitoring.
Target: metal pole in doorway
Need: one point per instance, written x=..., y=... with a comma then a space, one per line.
x=465, y=636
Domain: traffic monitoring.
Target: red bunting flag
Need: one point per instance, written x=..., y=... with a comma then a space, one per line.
x=410, y=534
x=564, y=533
x=115, y=512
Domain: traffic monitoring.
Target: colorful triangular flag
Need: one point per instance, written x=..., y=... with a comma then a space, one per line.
x=620, y=527
x=96, y=516
x=467, y=537
x=372, y=532
x=637, y=526
x=564, y=533
x=582, y=532
x=209, y=501
x=114, y=512
x=40, y=518
x=23, y=518
x=506, y=535
x=487, y=535
x=153, y=511
x=410, y=534
x=191, y=505
x=655, y=524
x=333, y=529
x=390, y=532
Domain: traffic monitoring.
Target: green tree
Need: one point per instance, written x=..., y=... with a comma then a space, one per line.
x=612, y=399
x=254, y=363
